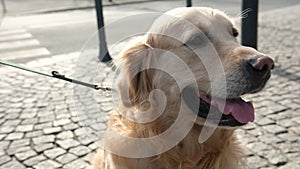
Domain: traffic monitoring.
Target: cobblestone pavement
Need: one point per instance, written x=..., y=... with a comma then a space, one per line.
x=43, y=123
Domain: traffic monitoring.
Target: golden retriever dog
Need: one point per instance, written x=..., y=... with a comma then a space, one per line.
x=179, y=91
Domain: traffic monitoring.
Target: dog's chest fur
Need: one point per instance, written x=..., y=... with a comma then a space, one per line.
x=220, y=151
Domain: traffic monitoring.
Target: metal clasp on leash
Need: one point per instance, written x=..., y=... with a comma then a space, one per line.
x=57, y=75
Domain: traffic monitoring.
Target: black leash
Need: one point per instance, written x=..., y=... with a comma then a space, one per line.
x=57, y=75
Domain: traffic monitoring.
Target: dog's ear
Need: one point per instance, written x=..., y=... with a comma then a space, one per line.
x=136, y=75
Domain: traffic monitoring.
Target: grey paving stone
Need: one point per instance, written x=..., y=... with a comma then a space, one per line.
x=288, y=114
x=14, y=110
x=255, y=132
x=16, y=99
x=28, y=105
x=25, y=155
x=274, y=108
x=43, y=139
x=30, y=111
x=45, y=119
x=286, y=123
x=28, y=115
x=275, y=129
x=290, y=165
x=295, y=130
x=89, y=157
x=14, y=136
x=30, y=121
x=43, y=125
x=65, y=135
x=258, y=146
x=24, y=128
x=14, y=164
x=80, y=132
x=34, y=133
x=99, y=126
x=34, y=160
x=71, y=126
x=47, y=164
x=264, y=121
x=29, y=100
x=68, y=143
x=268, y=167
x=94, y=146
x=85, y=140
x=55, y=152
x=289, y=148
x=296, y=119
x=4, y=159
x=4, y=145
x=276, y=158
x=13, y=150
x=13, y=122
x=6, y=129
x=61, y=122
x=45, y=113
x=289, y=137
x=11, y=116
x=52, y=130
x=80, y=150
x=295, y=156
x=255, y=162
x=2, y=121
x=42, y=147
x=66, y=158
x=269, y=139
x=19, y=143
x=63, y=115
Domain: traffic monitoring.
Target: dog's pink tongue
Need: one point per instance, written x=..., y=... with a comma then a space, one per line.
x=242, y=111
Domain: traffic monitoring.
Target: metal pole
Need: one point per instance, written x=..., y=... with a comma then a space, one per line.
x=3, y=6
x=103, y=53
x=249, y=23
x=188, y=3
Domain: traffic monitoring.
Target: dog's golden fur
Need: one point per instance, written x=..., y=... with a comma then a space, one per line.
x=134, y=85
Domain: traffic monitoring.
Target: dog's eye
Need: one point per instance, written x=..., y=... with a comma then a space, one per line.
x=235, y=32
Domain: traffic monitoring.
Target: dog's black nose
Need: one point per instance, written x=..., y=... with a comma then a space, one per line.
x=262, y=63
x=259, y=71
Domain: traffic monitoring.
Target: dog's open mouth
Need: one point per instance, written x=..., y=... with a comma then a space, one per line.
x=224, y=112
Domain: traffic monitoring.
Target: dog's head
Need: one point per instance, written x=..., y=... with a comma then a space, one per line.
x=191, y=46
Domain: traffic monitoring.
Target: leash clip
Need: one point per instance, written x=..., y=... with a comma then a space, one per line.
x=57, y=75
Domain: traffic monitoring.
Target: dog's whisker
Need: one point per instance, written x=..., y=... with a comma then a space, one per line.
x=243, y=14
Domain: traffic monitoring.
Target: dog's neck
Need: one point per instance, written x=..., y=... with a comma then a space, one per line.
x=213, y=146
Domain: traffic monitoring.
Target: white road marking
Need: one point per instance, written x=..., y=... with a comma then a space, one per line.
x=38, y=26
x=13, y=31
x=24, y=53
x=15, y=37
x=18, y=44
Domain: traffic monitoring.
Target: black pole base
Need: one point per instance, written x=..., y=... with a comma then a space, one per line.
x=106, y=58
x=188, y=3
